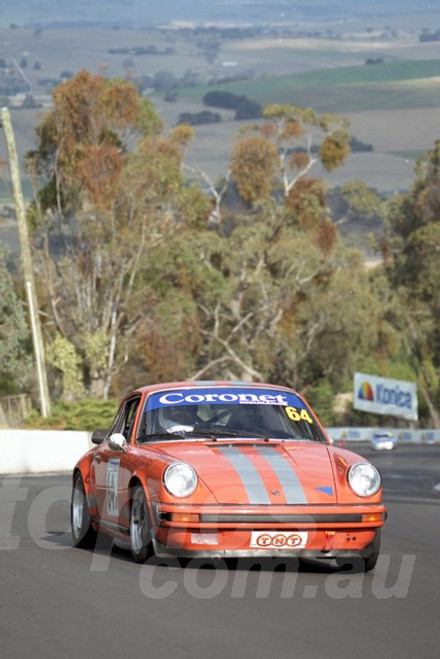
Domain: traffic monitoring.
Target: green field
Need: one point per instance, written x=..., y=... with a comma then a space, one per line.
x=406, y=84
x=392, y=106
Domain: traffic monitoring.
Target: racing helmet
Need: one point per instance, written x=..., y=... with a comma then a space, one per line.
x=177, y=418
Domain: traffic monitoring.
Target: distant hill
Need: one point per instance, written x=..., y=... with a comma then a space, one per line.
x=140, y=13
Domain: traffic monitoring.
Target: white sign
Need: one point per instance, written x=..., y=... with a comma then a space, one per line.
x=384, y=396
x=112, y=481
x=279, y=539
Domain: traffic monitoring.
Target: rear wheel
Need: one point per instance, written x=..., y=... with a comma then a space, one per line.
x=83, y=533
x=140, y=526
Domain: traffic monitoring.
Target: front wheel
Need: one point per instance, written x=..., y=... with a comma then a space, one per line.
x=83, y=533
x=358, y=564
x=140, y=527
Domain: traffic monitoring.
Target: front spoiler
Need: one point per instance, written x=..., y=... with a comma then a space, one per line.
x=162, y=551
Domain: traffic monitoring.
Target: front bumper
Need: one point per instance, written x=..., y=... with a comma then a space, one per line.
x=327, y=556
x=238, y=516
x=315, y=532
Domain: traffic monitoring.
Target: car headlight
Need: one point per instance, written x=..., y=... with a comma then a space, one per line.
x=364, y=479
x=180, y=479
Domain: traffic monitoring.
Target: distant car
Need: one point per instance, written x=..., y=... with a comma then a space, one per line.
x=383, y=440
x=225, y=469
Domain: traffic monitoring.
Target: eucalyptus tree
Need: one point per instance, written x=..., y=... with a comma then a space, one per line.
x=273, y=300
x=283, y=149
x=412, y=251
x=112, y=190
x=16, y=370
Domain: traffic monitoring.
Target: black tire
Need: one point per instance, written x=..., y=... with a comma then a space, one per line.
x=358, y=564
x=83, y=533
x=140, y=526
x=370, y=562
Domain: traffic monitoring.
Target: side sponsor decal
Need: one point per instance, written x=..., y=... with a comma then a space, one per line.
x=278, y=540
x=112, y=480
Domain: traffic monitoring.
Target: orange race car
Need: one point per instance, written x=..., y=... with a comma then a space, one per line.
x=226, y=469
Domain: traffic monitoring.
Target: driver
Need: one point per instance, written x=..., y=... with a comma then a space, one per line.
x=178, y=418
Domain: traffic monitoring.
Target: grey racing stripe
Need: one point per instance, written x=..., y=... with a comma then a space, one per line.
x=285, y=473
x=251, y=479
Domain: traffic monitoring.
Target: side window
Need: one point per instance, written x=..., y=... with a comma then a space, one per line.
x=129, y=416
x=117, y=422
x=125, y=417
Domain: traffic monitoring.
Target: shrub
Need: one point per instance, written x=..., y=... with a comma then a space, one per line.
x=197, y=118
x=89, y=414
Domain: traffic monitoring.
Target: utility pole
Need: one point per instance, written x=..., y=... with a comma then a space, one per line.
x=26, y=261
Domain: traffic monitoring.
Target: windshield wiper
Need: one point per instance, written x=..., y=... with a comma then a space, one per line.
x=233, y=432
x=214, y=435
x=183, y=434
x=209, y=434
x=161, y=435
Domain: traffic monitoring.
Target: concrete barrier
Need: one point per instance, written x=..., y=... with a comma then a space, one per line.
x=41, y=451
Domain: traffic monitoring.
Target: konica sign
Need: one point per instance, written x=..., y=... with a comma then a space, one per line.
x=385, y=396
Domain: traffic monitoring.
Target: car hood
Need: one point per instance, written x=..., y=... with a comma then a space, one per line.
x=257, y=472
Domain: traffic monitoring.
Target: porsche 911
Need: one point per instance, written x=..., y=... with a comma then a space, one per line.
x=226, y=469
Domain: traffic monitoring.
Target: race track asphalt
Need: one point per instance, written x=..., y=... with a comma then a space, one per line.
x=60, y=602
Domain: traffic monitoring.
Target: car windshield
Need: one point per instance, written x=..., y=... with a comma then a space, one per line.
x=228, y=412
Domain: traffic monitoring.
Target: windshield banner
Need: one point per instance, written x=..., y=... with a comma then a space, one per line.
x=228, y=395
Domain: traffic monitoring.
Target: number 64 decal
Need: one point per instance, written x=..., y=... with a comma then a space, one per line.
x=298, y=415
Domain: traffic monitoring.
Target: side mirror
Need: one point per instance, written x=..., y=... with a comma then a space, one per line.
x=117, y=442
x=98, y=436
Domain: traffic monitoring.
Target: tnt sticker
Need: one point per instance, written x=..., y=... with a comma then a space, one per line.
x=278, y=540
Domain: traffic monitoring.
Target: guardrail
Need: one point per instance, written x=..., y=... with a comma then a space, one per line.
x=47, y=451
x=404, y=436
